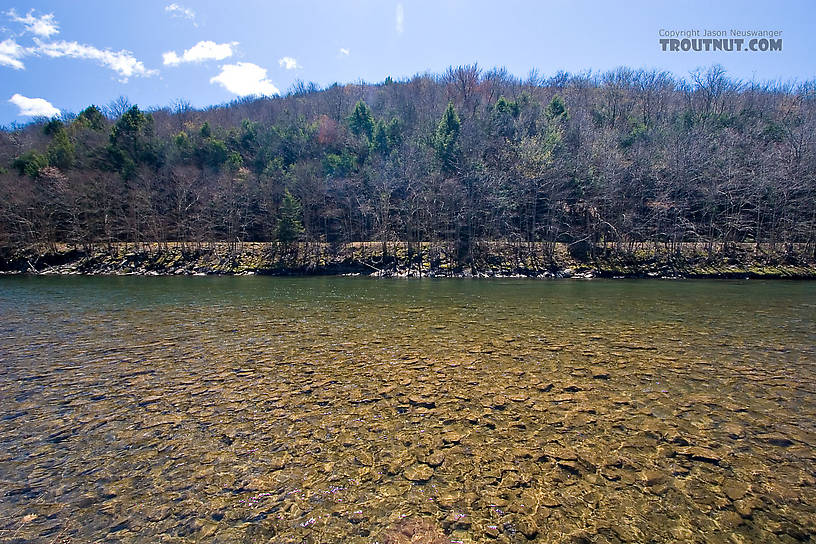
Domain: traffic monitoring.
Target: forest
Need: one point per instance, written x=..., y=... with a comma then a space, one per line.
x=614, y=161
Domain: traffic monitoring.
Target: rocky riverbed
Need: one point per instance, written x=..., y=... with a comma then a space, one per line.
x=352, y=415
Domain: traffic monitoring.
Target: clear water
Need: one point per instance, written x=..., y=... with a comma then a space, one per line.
x=251, y=409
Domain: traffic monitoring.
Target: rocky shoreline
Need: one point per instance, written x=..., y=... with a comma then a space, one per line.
x=400, y=260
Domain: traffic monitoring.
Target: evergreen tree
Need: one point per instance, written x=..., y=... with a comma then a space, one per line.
x=212, y=152
x=30, y=163
x=131, y=142
x=509, y=107
x=339, y=165
x=446, y=139
x=92, y=118
x=53, y=126
x=290, y=227
x=503, y=117
x=379, y=141
x=557, y=109
x=394, y=131
x=61, y=151
x=361, y=121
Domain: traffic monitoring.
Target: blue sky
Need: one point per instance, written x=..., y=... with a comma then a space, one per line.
x=60, y=55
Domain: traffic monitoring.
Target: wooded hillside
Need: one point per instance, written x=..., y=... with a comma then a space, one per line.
x=616, y=159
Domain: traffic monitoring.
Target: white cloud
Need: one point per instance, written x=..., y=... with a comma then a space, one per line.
x=44, y=25
x=10, y=54
x=244, y=79
x=33, y=107
x=400, y=18
x=205, y=50
x=345, y=52
x=122, y=62
x=181, y=12
x=289, y=63
x=170, y=58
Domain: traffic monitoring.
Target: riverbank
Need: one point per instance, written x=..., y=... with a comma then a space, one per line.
x=411, y=260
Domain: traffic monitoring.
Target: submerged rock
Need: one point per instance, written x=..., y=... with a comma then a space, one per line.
x=424, y=402
x=528, y=527
x=491, y=531
x=415, y=531
x=734, y=490
x=654, y=477
x=434, y=459
x=697, y=453
x=279, y=461
x=418, y=473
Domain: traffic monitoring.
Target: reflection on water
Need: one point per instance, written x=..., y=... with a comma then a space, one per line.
x=356, y=410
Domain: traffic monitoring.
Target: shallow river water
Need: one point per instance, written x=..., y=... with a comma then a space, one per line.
x=253, y=409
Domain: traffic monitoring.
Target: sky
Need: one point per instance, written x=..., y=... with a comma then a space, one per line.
x=58, y=57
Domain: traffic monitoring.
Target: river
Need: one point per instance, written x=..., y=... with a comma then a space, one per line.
x=259, y=409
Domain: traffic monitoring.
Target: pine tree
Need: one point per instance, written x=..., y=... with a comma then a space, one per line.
x=131, y=142
x=446, y=139
x=61, y=152
x=557, y=109
x=379, y=140
x=361, y=121
x=394, y=131
x=290, y=227
x=92, y=118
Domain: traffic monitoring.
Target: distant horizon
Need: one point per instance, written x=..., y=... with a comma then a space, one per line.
x=544, y=79
x=56, y=57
